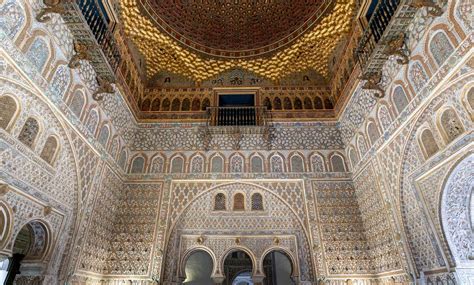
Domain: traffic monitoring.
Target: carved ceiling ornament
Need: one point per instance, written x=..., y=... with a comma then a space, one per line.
x=310, y=50
x=83, y=52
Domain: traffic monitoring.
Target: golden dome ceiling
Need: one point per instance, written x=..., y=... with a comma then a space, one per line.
x=272, y=38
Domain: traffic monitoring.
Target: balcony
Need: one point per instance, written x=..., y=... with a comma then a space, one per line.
x=236, y=116
x=384, y=37
x=92, y=29
x=236, y=122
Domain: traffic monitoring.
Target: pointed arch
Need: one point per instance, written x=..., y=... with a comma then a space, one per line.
x=216, y=163
x=337, y=162
x=257, y=202
x=138, y=164
x=236, y=163
x=317, y=162
x=156, y=104
x=165, y=106
x=177, y=163
x=384, y=117
x=220, y=202
x=157, y=164
x=196, y=104
x=92, y=120
x=353, y=156
x=440, y=47
x=77, y=103
x=175, y=104
x=277, y=163
x=373, y=132
x=196, y=164
x=30, y=132
x=50, y=150
x=10, y=110
x=297, y=162
x=427, y=142
x=449, y=124
x=277, y=103
x=186, y=105
x=256, y=163
x=123, y=158
x=103, y=136
x=238, y=202
x=399, y=99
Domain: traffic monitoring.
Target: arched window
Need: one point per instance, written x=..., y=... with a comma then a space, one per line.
x=337, y=163
x=287, y=105
x=146, y=105
x=267, y=103
x=417, y=75
x=77, y=103
x=353, y=157
x=277, y=103
x=298, y=105
x=318, y=103
x=29, y=132
x=217, y=164
x=186, y=106
x=9, y=109
x=308, y=104
x=399, y=99
x=92, y=121
x=373, y=132
x=61, y=79
x=256, y=164
x=38, y=53
x=384, y=117
x=317, y=163
x=175, y=105
x=328, y=104
x=205, y=104
x=451, y=125
x=428, y=143
x=440, y=47
x=138, y=165
x=197, y=164
x=219, y=202
x=297, y=164
x=239, y=202
x=166, y=105
x=257, y=202
x=276, y=163
x=196, y=105
x=362, y=145
x=157, y=165
x=104, y=136
x=177, y=165
x=155, y=106
x=49, y=150
x=236, y=164
x=122, y=161
x=470, y=98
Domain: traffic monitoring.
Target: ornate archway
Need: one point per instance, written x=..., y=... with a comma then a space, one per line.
x=254, y=232
x=456, y=216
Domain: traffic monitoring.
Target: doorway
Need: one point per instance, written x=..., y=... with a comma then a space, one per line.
x=238, y=269
x=277, y=268
x=198, y=269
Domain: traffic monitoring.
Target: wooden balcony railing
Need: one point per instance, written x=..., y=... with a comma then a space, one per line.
x=236, y=116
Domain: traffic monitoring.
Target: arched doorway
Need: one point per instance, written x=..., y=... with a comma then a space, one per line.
x=198, y=269
x=29, y=250
x=238, y=268
x=457, y=209
x=278, y=269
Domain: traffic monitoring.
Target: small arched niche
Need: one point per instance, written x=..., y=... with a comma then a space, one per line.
x=198, y=269
x=278, y=268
